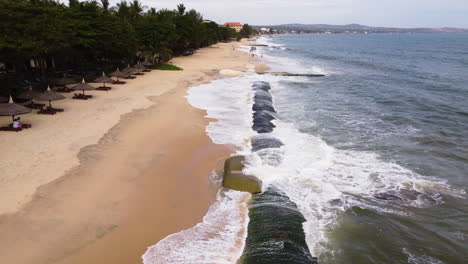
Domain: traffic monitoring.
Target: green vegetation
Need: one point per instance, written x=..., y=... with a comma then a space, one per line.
x=166, y=67
x=40, y=39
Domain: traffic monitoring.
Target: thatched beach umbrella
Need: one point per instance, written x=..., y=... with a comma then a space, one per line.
x=64, y=81
x=12, y=109
x=118, y=74
x=146, y=63
x=49, y=96
x=128, y=70
x=139, y=67
x=104, y=79
x=30, y=95
x=83, y=86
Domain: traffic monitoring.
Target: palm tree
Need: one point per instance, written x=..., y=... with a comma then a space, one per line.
x=105, y=5
x=123, y=10
x=181, y=9
x=136, y=8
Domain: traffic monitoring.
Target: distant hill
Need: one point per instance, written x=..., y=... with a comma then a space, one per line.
x=356, y=28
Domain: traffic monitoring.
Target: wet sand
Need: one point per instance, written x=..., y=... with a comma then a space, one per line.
x=113, y=175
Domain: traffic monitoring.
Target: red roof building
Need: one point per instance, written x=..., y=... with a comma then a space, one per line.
x=235, y=25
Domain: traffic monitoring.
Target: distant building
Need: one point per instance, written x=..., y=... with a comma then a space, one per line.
x=235, y=25
x=207, y=21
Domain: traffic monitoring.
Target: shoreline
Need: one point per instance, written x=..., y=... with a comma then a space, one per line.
x=136, y=185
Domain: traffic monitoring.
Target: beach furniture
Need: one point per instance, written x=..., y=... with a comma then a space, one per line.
x=146, y=64
x=49, y=96
x=129, y=71
x=62, y=82
x=118, y=74
x=83, y=86
x=104, y=79
x=12, y=109
x=30, y=95
x=139, y=68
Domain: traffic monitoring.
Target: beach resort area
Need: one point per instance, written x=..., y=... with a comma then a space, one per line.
x=213, y=132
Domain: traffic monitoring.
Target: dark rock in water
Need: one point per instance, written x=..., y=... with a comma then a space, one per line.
x=261, y=85
x=387, y=196
x=264, y=115
x=260, y=106
x=410, y=194
x=262, y=130
x=262, y=94
x=275, y=233
x=275, y=115
x=261, y=120
x=402, y=195
x=263, y=126
x=263, y=102
x=263, y=142
x=256, y=97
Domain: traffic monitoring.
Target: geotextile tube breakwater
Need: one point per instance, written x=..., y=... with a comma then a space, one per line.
x=275, y=233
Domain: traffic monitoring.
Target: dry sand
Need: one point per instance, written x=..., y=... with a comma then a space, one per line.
x=112, y=175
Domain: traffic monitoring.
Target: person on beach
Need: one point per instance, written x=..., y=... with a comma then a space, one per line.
x=17, y=123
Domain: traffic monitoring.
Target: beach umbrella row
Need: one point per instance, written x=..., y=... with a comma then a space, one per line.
x=13, y=109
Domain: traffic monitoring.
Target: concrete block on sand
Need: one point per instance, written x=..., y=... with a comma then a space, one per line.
x=234, y=178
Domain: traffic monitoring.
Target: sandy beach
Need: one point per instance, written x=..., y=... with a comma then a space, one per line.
x=113, y=175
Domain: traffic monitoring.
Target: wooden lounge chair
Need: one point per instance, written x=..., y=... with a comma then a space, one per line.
x=49, y=111
x=103, y=88
x=119, y=82
x=63, y=90
x=10, y=129
x=82, y=96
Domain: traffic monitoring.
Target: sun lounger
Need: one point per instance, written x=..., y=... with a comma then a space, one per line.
x=10, y=129
x=64, y=90
x=103, y=88
x=50, y=111
x=35, y=106
x=82, y=96
x=139, y=73
x=130, y=77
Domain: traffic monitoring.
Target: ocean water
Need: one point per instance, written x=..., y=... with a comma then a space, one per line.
x=375, y=153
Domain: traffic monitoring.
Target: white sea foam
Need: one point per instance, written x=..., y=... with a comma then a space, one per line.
x=322, y=180
x=219, y=239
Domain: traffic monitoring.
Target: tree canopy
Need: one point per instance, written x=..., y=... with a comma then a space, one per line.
x=90, y=35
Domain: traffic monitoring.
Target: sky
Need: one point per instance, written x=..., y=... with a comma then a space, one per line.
x=396, y=13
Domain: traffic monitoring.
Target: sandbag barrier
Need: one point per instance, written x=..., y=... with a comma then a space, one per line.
x=275, y=234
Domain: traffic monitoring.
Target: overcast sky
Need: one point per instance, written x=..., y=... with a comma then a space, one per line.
x=399, y=13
